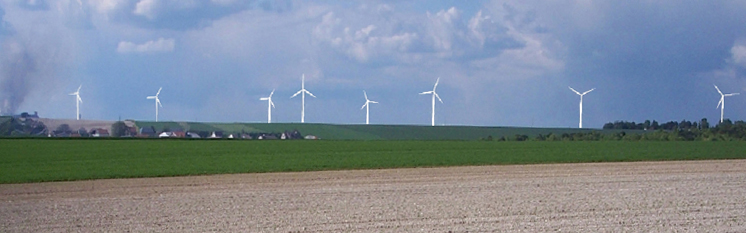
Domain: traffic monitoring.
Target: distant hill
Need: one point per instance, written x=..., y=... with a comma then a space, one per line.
x=370, y=132
x=52, y=124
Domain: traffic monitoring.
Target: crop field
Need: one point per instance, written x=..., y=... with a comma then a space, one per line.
x=374, y=132
x=40, y=160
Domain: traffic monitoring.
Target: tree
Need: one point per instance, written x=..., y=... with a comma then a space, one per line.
x=119, y=129
x=703, y=124
x=83, y=132
x=64, y=128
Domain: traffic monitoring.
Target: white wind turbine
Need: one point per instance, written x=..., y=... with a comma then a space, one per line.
x=721, y=104
x=367, y=107
x=303, y=93
x=580, y=125
x=435, y=94
x=78, y=100
x=157, y=102
x=270, y=106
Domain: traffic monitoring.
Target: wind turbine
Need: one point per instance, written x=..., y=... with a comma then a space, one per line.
x=435, y=94
x=270, y=106
x=78, y=100
x=580, y=125
x=303, y=93
x=157, y=102
x=367, y=107
x=721, y=104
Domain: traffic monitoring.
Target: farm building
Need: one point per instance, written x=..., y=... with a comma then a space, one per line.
x=99, y=133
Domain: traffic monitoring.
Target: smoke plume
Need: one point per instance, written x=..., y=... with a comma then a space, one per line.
x=15, y=77
x=35, y=53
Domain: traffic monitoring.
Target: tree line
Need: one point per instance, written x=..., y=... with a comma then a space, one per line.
x=648, y=131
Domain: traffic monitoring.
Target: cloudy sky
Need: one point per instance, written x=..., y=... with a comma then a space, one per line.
x=500, y=63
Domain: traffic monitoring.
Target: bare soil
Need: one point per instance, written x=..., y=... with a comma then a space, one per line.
x=601, y=197
x=53, y=124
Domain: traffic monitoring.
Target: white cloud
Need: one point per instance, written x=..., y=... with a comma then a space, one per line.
x=152, y=8
x=160, y=45
x=367, y=42
x=442, y=29
x=475, y=27
x=146, y=8
x=738, y=53
x=105, y=6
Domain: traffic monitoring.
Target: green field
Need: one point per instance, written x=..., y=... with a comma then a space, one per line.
x=39, y=160
x=374, y=132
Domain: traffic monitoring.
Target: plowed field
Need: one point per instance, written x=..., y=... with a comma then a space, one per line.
x=598, y=197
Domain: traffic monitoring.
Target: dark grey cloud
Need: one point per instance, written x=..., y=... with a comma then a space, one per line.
x=659, y=38
x=647, y=57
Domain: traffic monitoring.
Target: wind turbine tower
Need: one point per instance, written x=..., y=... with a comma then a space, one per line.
x=78, y=100
x=580, y=125
x=157, y=102
x=721, y=104
x=270, y=106
x=367, y=107
x=435, y=95
x=303, y=93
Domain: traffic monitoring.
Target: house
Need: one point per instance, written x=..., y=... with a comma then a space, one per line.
x=216, y=134
x=267, y=136
x=192, y=135
x=26, y=115
x=166, y=135
x=99, y=133
x=311, y=137
x=147, y=132
x=179, y=134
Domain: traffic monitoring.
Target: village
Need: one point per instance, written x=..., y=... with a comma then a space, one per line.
x=26, y=124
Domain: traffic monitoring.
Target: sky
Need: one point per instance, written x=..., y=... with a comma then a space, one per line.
x=500, y=63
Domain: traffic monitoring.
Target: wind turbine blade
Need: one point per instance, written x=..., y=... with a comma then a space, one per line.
x=373, y=102
x=265, y=98
x=719, y=102
x=301, y=91
x=716, y=87
x=366, y=95
x=436, y=83
x=588, y=91
x=576, y=92
x=74, y=93
x=159, y=102
x=272, y=93
x=437, y=96
x=425, y=93
x=366, y=104
x=271, y=103
x=79, y=99
x=309, y=93
x=731, y=94
x=79, y=88
x=151, y=97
